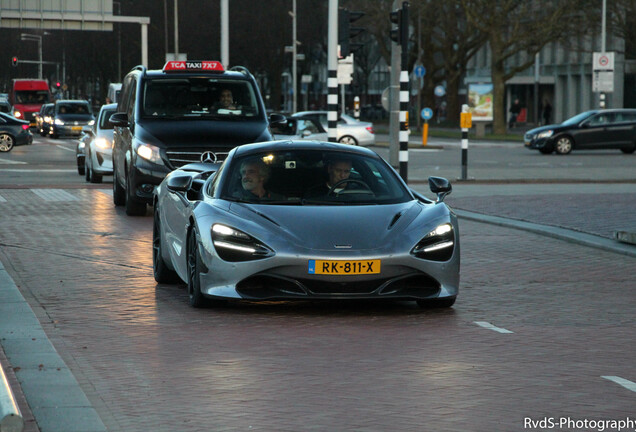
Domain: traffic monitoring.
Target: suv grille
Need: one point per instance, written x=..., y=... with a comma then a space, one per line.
x=181, y=157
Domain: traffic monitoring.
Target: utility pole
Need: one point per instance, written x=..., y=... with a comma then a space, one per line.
x=332, y=78
x=176, y=29
x=225, y=33
x=294, y=60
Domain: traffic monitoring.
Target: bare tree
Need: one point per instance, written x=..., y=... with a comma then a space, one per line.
x=517, y=30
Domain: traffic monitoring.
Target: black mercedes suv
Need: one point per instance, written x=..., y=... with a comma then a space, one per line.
x=190, y=111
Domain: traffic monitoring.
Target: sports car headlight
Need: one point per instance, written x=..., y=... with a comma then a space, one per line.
x=150, y=153
x=102, y=143
x=59, y=122
x=545, y=134
x=234, y=245
x=437, y=245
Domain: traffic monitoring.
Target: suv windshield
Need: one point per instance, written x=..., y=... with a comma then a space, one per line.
x=312, y=177
x=199, y=97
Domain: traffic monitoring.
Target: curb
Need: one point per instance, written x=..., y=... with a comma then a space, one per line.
x=553, y=232
x=56, y=399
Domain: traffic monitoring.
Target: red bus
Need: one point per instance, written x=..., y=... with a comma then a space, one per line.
x=27, y=97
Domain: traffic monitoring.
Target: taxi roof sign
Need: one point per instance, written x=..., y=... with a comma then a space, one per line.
x=193, y=65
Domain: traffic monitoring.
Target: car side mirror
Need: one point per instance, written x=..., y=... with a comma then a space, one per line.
x=119, y=119
x=277, y=119
x=440, y=186
x=179, y=183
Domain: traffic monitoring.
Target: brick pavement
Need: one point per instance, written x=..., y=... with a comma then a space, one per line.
x=147, y=361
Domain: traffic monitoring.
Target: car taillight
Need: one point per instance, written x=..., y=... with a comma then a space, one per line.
x=370, y=129
x=25, y=127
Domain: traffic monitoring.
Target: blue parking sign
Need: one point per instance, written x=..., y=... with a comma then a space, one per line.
x=427, y=113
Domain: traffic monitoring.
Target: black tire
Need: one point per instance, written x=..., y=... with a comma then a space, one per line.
x=628, y=150
x=119, y=194
x=348, y=139
x=436, y=303
x=7, y=142
x=80, y=166
x=134, y=207
x=161, y=272
x=197, y=299
x=563, y=145
x=93, y=177
x=87, y=168
x=546, y=150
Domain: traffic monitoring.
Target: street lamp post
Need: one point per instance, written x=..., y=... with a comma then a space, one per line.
x=118, y=41
x=38, y=39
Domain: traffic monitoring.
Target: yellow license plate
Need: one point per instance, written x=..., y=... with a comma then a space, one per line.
x=356, y=267
x=76, y=128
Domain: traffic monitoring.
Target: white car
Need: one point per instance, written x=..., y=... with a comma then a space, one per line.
x=350, y=130
x=98, y=149
x=299, y=129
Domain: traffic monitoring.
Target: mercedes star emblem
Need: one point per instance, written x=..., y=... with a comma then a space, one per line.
x=208, y=156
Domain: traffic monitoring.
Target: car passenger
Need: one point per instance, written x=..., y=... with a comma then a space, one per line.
x=254, y=175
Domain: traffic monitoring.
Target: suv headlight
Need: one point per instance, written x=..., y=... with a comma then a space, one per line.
x=59, y=122
x=150, y=153
x=91, y=123
x=234, y=245
x=545, y=134
x=437, y=245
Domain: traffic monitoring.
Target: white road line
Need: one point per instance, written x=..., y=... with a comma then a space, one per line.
x=38, y=170
x=54, y=195
x=65, y=148
x=629, y=385
x=424, y=150
x=487, y=325
x=2, y=199
x=10, y=162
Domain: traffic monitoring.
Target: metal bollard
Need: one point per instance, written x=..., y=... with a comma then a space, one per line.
x=10, y=417
x=465, y=123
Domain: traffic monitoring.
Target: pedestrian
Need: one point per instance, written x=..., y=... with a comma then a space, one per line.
x=547, y=112
x=515, y=109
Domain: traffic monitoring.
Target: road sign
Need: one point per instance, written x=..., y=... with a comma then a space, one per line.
x=603, y=61
x=427, y=113
x=603, y=81
x=345, y=70
x=419, y=71
x=440, y=91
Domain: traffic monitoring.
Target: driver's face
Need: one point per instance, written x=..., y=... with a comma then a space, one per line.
x=338, y=171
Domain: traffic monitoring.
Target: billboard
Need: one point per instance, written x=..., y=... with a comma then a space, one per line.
x=480, y=101
x=57, y=14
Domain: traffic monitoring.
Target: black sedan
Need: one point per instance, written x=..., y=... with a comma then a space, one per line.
x=595, y=129
x=13, y=132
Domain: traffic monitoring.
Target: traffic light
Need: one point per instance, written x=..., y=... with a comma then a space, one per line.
x=400, y=35
x=14, y=61
x=346, y=32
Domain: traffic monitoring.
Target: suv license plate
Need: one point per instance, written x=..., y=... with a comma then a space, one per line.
x=356, y=267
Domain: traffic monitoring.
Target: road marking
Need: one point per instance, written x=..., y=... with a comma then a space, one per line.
x=629, y=385
x=425, y=150
x=489, y=326
x=10, y=162
x=2, y=199
x=65, y=148
x=54, y=195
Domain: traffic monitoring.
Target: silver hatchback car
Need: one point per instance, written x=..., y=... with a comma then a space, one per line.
x=350, y=130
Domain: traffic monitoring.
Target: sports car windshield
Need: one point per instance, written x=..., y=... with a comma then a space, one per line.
x=199, y=97
x=312, y=177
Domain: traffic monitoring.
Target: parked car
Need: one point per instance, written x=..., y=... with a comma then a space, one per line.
x=98, y=147
x=367, y=237
x=594, y=129
x=44, y=119
x=13, y=132
x=350, y=130
x=299, y=129
x=70, y=117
